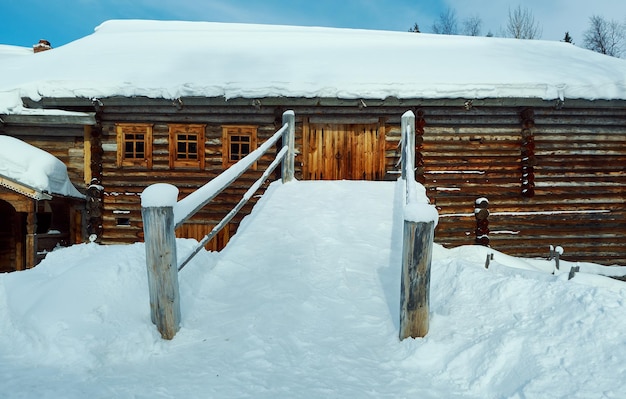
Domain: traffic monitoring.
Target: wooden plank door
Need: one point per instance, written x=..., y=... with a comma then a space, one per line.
x=343, y=152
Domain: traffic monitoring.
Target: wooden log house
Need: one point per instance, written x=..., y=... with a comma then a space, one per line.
x=553, y=169
x=36, y=218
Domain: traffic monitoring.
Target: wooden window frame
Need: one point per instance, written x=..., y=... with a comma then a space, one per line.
x=228, y=132
x=124, y=129
x=185, y=162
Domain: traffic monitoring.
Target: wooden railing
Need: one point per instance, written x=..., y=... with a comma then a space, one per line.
x=417, y=244
x=162, y=213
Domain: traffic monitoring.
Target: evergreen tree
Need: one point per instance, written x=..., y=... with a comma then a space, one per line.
x=415, y=28
x=567, y=38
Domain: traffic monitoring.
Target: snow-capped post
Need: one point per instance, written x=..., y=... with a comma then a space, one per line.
x=555, y=253
x=157, y=212
x=481, y=212
x=418, y=235
x=288, y=166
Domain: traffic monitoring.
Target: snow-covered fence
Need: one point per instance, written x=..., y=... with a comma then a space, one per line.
x=419, y=226
x=162, y=214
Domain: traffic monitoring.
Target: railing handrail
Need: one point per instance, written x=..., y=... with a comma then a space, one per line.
x=244, y=200
x=162, y=213
x=191, y=204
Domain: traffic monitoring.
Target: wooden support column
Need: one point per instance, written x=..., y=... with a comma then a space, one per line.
x=481, y=213
x=31, y=237
x=420, y=170
x=528, y=161
x=18, y=241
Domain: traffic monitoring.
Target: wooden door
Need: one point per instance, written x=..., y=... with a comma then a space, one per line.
x=11, y=238
x=343, y=152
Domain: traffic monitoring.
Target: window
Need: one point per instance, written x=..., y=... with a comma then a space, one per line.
x=238, y=141
x=134, y=144
x=187, y=146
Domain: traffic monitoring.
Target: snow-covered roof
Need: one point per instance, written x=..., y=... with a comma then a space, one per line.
x=171, y=59
x=34, y=168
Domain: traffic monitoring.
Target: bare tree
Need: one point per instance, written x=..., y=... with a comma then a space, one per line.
x=522, y=24
x=446, y=24
x=472, y=26
x=606, y=37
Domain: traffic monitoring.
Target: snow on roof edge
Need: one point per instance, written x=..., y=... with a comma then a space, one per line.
x=172, y=59
x=35, y=168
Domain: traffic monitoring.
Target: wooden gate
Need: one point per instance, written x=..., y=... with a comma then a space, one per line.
x=343, y=151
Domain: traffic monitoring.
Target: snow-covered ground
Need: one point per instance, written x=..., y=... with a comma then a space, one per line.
x=304, y=303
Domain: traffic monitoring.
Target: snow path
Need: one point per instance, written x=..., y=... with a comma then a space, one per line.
x=304, y=302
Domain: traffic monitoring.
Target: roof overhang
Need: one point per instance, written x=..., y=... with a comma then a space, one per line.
x=23, y=189
x=280, y=101
x=43, y=118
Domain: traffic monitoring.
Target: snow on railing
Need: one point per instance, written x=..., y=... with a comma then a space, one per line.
x=420, y=219
x=162, y=213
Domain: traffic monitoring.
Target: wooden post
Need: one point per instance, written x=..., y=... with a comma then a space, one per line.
x=288, y=164
x=416, y=247
x=415, y=293
x=31, y=237
x=160, y=241
x=481, y=212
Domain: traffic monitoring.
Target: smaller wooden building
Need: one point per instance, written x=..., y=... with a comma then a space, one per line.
x=40, y=209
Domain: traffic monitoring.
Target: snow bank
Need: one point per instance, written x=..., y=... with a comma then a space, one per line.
x=170, y=59
x=8, y=51
x=34, y=167
x=304, y=302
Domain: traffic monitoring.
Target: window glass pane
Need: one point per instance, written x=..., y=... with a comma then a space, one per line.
x=128, y=149
x=139, y=149
x=234, y=151
x=181, y=149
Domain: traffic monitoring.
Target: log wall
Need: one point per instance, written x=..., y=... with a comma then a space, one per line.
x=558, y=178
x=553, y=172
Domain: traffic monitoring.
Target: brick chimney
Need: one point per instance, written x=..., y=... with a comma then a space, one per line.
x=43, y=45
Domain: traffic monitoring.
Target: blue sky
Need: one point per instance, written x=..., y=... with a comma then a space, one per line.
x=24, y=22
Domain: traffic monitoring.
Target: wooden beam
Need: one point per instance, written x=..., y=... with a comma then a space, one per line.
x=262, y=102
x=23, y=189
x=50, y=119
